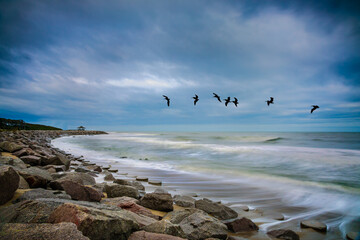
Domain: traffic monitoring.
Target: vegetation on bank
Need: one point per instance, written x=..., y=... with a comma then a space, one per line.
x=10, y=124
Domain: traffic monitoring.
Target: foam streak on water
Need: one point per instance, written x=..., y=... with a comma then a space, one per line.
x=301, y=175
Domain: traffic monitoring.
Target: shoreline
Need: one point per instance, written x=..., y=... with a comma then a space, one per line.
x=84, y=166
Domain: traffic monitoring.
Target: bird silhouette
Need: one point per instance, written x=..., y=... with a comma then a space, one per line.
x=196, y=99
x=271, y=101
x=167, y=99
x=227, y=100
x=314, y=108
x=236, y=102
x=217, y=96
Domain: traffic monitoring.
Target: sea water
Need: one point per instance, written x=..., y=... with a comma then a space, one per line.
x=299, y=175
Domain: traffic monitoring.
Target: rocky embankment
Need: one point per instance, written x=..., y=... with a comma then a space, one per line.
x=46, y=193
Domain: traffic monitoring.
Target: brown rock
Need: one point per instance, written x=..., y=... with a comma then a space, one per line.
x=81, y=192
x=32, y=160
x=31, y=231
x=316, y=225
x=96, y=224
x=242, y=225
x=9, y=182
x=158, y=201
x=10, y=146
x=142, y=235
x=36, y=177
x=165, y=227
x=284, y=234
x=217, y=210
x=121, y=190
x=23, y=183
x=25, y=152
x=109, y=177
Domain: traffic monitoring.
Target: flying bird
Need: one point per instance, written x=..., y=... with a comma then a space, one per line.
x=236, y=102
x=167, y=99
x=217, y=96
x=227, y=100
x=196, y=99
x=271, y=101
x=314, y=108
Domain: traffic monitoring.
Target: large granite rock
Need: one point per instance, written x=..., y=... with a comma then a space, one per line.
x=81, y=178
x=28, y=211
x=23, y=184
x=242, y=225
x=121, y=190
x=142, y=235
x=36, y=177
x=16, y=162
x=184, y=201
x=134, y=184
x=96, y=224
x=165, y=227
x=109, y=177
x=9, y=182
x=129, y=204
x=201, y=226
x=81, y=192
x=158, y=201
x=10, y=146
x=32, y=160
x=177, y=216
x=25, y=152
x=283, y=234
x=41, y=193
x=31, y=231
x=217, y=210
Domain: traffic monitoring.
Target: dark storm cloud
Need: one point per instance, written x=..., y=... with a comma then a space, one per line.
x=86, y=59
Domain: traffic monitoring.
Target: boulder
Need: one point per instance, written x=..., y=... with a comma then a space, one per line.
x=201, y=226
x=217, y=210
x=316, y=225
x=135, y=184
x=96, y=224
x=41, y=193
x=30, y=231
x=10, y=146
x=142, y=235
x=121, y=190
x=155, y=182
x=36, y=177
x=109, y=177
x=158, y=201
x=81, y=178
x=32, y=160
x=25, y=152
x=9, y=182
x=12, y=161
x=94, y=168
x=57, y=168
x=28, y=211
x=184, y=201
x=130, y=204
x=165, y=227
x=283, y=234
x=177, y=216
x=242, y=225
x=81, y=192
x=62, y=160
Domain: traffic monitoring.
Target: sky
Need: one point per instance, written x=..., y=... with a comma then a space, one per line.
x=106, y=64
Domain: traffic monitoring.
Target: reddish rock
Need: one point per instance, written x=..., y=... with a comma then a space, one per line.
x=25, y=152
x=242, y=225
x=142, y=235
x=81, y=192
x=97, y=224
x=9, y=182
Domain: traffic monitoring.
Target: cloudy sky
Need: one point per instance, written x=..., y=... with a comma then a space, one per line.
x=106, y=64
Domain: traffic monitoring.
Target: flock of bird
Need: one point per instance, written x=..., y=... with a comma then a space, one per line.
x=236, y=102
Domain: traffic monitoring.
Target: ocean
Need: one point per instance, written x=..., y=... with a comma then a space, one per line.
x=297, y=176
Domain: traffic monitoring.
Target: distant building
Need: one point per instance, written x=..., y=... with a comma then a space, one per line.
x=81, y=128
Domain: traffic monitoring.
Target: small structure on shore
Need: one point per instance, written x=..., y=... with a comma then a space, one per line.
x=81, y=128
